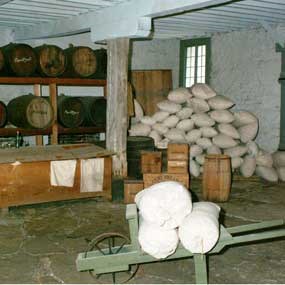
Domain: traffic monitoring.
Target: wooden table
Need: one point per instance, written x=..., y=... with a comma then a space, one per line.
x=25, y=173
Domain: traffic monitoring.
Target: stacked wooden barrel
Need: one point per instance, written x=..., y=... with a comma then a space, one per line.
x=52, y=61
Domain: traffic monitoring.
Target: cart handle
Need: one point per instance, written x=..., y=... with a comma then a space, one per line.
x=132, y=217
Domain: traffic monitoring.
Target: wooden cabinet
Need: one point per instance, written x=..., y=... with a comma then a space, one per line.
x=53, y=83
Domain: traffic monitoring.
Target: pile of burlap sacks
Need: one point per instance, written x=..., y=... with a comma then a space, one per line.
x=203, y=119
x=167, y=215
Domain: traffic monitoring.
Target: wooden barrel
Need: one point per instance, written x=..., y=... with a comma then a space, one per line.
x=2, y=61
x=95, y=111
x=20, y=59
x=29, y=111
x=217, y=178
x=70, y=111
x=135, y=145
x=81, y=62
x=51, y=60
x=101, y=64
x=3, y=114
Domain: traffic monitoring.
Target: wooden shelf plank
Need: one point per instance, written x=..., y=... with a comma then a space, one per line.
x=51, y=80
x=10, y=132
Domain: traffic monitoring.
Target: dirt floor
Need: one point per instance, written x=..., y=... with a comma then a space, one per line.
x=40, y=243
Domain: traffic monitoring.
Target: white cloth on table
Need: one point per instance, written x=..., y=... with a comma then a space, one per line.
x=164, y=204
x=157, y=241
x=62, y=172
x=199, y=232
x=92, y=175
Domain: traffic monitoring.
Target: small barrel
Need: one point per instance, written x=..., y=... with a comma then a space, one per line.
x=101, y=62
x=70, y=111
x=95, y=111
x=51, y=60
x=30, y=111
x=20, y=59
x=81, y=62
x=2, y=61
x=216, y=178
x=135, y=145
x=3, y=114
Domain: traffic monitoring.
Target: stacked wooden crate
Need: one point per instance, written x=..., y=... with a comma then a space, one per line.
x=151, y=165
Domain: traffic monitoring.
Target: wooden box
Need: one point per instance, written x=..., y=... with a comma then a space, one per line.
x=131, y=188
x=177, y=166
x=151, y=162
x=153, y=178
x=178, y=151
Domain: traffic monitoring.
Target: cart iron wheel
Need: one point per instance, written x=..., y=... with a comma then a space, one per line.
x=106, y=244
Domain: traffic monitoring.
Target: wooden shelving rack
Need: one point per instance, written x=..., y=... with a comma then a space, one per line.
x=55, y=129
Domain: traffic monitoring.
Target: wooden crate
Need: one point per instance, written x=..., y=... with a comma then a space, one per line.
x=131, y=188
x=151, y=161
x=178, y=151
x=177, y=166
x=153, y=178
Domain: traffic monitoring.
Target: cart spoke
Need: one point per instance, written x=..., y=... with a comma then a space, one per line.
x=97, y=246
x=119, y=249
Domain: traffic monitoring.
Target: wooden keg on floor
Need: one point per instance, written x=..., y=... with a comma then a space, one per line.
x=2, y=61
x=3, y=114
x=81, y=62
x=29, y=111
x=51, y=60
x=20, y=59
x=216, y=178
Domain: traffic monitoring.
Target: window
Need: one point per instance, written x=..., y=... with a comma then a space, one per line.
x=194, y=61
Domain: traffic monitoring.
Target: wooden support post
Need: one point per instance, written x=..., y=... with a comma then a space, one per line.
x=53, y=99
x=117, y=115
x=38, y=92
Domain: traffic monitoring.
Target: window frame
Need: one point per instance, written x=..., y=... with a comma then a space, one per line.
x=184, y=44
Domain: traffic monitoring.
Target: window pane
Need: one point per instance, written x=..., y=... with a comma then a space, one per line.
x=188, y=61
x=188, y=72
x=187, y=82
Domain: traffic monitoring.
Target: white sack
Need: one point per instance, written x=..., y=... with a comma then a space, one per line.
x=193, y=135
x=220, y=103
x=194, y=168
x=198, y=105
x=223, y=141
x=248, y=166
x=281, y=173
x=200, y=159
x=168, y=106
x=164, y=204
x=264, y=158
x=163, y=144
x=202, y=120
x=252, y=148
x=236, y=162
x=222, y=116
x=171, y=121
x=184, y=113
x=279, y=158
x=195, y=150
x=204, y=142
x=160, y=128
x=208, y=132
x=139, y=130
x=138, y=109
x=179, y=95
x=200, y=230
x=248, y=132
x=157, y=241
x=229, y=130
x=147, y=120
x=236, y=151
x=175, y=135
x=185, y=125
x=244, y=118
x=202, y=91
x=214, y=150
x=160, y=116
x=267, y=173
x=156, y=137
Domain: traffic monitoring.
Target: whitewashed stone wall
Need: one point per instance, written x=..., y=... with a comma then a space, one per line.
x=246, y=68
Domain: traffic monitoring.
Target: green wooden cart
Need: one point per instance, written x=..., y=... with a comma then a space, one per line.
x=115, y=253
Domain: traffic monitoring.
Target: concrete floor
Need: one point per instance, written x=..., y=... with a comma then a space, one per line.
x=39, y=243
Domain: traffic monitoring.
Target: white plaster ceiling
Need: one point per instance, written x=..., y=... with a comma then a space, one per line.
x=235, y=15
